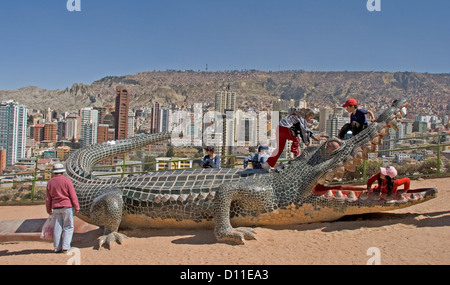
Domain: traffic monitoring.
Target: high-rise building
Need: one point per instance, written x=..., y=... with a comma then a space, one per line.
x=324, y=115
x=73, y=127
x=302, y=104
x=281, y=105
x=388, y=143
x=156, y=118
x=131, y=119
x=102, y=112
x=121, y=113
x=225, y=100
x=50, y=131
x=164, y=120
x=334, y=125
x=38, y=132
x=13, y=130
x=89, y=125
x=61, y=130
x=102, y=133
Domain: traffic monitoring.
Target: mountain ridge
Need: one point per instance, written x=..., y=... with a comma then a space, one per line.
x=253, y=88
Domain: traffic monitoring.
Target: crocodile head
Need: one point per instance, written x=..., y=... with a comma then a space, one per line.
x=321, y=165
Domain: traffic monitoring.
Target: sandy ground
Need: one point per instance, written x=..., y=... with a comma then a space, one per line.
x=414, y=235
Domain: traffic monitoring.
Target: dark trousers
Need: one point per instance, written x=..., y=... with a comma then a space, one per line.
x=354, y=126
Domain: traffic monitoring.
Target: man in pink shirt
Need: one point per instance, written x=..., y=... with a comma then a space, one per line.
x=61, y=201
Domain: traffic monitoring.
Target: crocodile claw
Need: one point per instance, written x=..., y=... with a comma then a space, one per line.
x=110, y=238
x=237, y=235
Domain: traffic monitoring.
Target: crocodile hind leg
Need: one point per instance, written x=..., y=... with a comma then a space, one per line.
x=106, y=211
x=252, y=199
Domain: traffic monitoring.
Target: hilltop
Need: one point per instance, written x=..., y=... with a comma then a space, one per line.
x=254, y=88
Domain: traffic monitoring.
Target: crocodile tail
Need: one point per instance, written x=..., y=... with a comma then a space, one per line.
x=80, y=163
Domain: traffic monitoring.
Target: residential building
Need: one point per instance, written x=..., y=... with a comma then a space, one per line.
x=324, y=115
x=73, y=127
x=156, y=118
x=13, y=130
x=121, y=113
x=225, y=100
x=131, y=119
x=334, y=125
x=89, y=125
x=50, y=131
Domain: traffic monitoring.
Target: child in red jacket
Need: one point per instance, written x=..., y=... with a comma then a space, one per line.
x=387, y=182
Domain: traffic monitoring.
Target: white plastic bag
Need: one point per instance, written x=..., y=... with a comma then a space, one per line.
x=47, y=229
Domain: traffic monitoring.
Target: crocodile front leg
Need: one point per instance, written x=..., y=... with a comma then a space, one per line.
x=251, y=198
x=106, y=211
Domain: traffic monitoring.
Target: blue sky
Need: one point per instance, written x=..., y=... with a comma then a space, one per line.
x=45, y=45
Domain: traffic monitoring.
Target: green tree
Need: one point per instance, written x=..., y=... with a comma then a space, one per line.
x=170, y=152
x=152, y=163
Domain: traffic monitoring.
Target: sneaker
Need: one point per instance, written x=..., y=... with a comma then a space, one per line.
x=266, y=166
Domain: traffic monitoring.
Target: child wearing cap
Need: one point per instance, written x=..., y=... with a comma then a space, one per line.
x=386, y=181
x=358, y=120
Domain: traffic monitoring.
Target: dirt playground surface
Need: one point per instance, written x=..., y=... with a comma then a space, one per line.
x=414, y=235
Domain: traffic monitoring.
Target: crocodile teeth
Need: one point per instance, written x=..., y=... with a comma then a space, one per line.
x=329, y=176
x=351, y=197
x=369, y=147
x=393, y=124
x=376, y=196
x=321, y=180
x=173, y=198
x=364, y=196
x=165, y=198
x=182, y=198
x=376, y=140
x=201, y=196
x=192, y=196
x=358, y=158
x=338, y=194
x=403, y=111
x=157, y=199
x=402, y=199
x=210, y=196
x=348, y=164
x=340, y=170
x=414, y=196
x=365, y=154
x=329, y=194
x=384, y=132
x=339, y=175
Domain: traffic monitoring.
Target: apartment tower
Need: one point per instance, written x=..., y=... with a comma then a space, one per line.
x=121, y=113
x=13, y=130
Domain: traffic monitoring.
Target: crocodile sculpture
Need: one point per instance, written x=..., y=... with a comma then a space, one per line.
x=223, y=198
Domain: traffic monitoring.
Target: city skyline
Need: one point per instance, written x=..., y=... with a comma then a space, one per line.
x=47, y=46
x=227, y=131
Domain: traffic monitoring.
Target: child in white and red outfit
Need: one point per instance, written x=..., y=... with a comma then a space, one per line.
x=293, y=127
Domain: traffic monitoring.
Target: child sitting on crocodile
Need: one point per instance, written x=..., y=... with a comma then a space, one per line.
x=358, y=120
